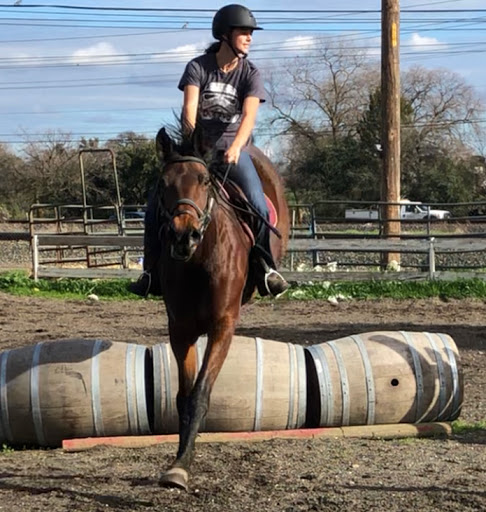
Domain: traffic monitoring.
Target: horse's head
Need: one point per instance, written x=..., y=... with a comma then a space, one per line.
x=185, y=195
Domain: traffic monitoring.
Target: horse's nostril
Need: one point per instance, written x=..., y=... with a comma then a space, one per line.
x=195, y=236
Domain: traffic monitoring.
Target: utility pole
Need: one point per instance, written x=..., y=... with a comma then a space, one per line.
x=390, y=101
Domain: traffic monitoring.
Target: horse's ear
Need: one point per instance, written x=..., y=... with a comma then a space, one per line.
x=163, y=144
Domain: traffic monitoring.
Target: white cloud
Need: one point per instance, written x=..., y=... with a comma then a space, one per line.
x=423, y=43
x=374, y=47
x=98, y=54
x=298, y=43
x=184, y=53
x=18, y=57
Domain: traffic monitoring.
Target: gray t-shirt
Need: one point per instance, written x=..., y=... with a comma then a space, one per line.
x=221, y=96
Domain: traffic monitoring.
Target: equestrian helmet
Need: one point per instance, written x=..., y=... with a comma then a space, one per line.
x=232, y=16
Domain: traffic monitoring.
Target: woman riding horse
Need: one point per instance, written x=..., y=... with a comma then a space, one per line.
x=222, y=93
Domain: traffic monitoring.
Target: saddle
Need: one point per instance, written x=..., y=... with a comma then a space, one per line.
x=249, y=219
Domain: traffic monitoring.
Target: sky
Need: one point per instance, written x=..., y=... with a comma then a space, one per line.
x=98, y=69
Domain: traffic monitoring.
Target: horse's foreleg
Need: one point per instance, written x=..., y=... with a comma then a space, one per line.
x=193, y=408
x=185, y=354
x=187, y=379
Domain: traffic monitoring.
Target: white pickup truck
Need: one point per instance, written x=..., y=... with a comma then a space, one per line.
x=409, y=210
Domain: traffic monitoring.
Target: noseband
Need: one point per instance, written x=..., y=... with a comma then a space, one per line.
x=203, y=216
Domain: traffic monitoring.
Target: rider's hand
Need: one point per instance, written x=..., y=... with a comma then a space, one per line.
x=232, y=154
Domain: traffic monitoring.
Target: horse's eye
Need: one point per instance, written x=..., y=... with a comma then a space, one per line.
x=203, y=179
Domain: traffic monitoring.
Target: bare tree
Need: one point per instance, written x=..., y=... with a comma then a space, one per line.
x=446, y=110
x=322, y=92
x=50, y=168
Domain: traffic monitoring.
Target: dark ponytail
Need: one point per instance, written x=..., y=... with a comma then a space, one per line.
x=213, y=47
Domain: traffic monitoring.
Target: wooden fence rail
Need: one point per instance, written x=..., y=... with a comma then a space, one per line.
x=430, y=246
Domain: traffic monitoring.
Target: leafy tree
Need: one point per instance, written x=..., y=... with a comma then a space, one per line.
x=332, y=170
x=49, y=172
x=10, y=192
x=137, y=164
x=442, y=179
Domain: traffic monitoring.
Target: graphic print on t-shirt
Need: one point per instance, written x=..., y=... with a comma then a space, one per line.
x=219, y=102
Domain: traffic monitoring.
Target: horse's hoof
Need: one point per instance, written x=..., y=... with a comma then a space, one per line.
x=175, y=477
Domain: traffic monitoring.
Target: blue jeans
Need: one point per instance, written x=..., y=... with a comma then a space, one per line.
x=245, y=175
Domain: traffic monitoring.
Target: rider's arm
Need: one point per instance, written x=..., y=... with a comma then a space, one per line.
x=190, y=106
x=248, y=118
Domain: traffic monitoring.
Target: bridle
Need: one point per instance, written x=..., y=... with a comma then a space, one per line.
x=202, y=216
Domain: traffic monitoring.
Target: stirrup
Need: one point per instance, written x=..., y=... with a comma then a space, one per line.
x=282, y=282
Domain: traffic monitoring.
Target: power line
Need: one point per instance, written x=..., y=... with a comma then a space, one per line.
x=98, y=36
x=141, y=79
x=423, y=23
x=88, y=111
x=274, y=46
x=165, y=9
x=200, y=25
x=416, y=16
x=258, y=131
x=108, y=60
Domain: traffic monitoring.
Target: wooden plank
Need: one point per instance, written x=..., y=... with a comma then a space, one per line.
x=15, y=236
x=397, y=431
x=88, y=273
x=293, y=277
x=305, y=277
x=441, y=275
x=460, y=244
x=91, y=240
x=360, y=245
x=472, y=244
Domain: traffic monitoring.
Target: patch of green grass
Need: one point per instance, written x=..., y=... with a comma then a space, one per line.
x=407, y=441
x=464, y=427
x=6, y=449
x=458, y=289
x=20, y=283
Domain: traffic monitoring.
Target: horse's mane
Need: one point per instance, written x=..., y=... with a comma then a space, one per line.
x=186, y=142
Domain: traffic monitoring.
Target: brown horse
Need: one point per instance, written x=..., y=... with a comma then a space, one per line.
x=205, y=276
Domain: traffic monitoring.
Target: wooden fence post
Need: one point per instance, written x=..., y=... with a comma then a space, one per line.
x=431, y=258
x=35, y=257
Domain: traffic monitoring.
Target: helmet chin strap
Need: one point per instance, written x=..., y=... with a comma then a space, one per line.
x=239, y=55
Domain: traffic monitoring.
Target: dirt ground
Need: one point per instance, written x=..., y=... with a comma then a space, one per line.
x=278, y=475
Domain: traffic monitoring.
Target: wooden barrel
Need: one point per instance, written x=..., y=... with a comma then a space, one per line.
x=262, y=386
x=384, y=377
x=73, y=388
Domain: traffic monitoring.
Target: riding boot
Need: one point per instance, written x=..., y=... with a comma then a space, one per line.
x=149, y=281
x=270, y=282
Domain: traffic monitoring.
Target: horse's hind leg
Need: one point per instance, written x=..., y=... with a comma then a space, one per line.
x=193, y=406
